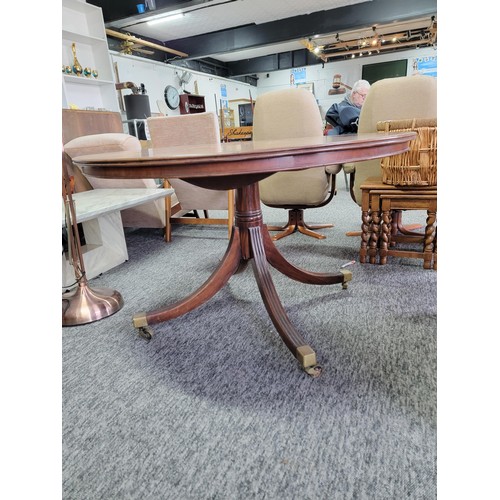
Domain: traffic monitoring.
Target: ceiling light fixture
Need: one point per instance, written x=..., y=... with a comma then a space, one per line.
x=164, y=19
x=359, y=43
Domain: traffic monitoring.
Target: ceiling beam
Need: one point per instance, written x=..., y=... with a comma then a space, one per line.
x=317, y=23
x=131, y=38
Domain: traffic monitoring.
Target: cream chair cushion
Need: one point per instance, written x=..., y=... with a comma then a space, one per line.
x=274, y=118
x=393, y=99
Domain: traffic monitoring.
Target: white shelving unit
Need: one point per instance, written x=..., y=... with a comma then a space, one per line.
x=83, y=24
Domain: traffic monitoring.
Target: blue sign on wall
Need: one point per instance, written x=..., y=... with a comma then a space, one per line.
x=425, y=65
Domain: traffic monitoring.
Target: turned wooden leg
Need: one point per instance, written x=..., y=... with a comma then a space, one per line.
x=385, y=233
x=374, y=236
x=429, y=238
x=366, y=221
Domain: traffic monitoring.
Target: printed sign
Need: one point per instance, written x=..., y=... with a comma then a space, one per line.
x=425, y=66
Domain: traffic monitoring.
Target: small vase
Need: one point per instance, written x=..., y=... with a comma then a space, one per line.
x=87, y=72
x=95, y=73
x=68, y=70
x=77, y=68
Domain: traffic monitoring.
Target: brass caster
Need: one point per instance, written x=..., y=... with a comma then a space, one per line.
x=145, y=333
x=347, y=277
x=314, y=370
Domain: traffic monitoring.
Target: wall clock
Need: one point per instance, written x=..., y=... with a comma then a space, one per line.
x=172, y=97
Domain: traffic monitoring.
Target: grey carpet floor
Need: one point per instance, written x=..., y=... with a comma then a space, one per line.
x=216, y=407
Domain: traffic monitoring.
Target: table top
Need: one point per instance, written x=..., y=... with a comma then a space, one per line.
x=250, y=159
x=96, y=202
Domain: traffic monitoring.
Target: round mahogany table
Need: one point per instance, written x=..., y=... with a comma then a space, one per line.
x=240, y=166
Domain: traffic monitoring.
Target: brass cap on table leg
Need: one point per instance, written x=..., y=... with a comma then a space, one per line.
x=140, y=320
x=306, y=356
x=347, y=274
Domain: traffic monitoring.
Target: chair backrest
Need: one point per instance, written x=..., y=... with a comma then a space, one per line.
x=79, y=122
x=184, y=130
x=393, y=99
x=288, y=114
x=189, y=130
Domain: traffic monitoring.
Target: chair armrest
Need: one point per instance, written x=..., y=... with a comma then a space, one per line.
x=333, y=169
x=349, y=168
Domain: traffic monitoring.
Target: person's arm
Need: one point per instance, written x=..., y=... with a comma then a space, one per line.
x=348, y=117
x=332, y=115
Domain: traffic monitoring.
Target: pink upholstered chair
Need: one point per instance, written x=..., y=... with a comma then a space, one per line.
x=150, y=214
x=88, y=132
x=285, y=114
x=185, y=130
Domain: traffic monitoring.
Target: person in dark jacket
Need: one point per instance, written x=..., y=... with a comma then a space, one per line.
x=343, y=116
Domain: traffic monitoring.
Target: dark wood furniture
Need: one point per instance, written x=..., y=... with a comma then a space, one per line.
x=240, y=166
x=191, y=103
x=382, y=229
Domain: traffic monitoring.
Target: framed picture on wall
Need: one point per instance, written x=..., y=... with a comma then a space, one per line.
x=387, y=69
x=307, y=86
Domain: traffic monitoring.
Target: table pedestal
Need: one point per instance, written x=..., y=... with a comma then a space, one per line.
x=250, y=241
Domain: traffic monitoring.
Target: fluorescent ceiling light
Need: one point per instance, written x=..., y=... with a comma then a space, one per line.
x=163, y=19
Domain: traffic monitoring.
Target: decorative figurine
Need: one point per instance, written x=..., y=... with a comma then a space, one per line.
x=77, y=68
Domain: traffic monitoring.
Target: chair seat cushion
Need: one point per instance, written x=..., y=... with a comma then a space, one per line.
x=302, y=188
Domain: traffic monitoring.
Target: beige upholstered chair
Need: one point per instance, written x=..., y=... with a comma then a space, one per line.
x=392, y=99
x=185, y=130
x=88, y=132
x=284, y=114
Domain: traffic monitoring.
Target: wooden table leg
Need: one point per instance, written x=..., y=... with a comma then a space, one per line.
x=290, y=336
x=278, y=261
x=227, y=267
x=250, y=241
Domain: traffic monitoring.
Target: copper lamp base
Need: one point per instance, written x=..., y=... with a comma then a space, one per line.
x=85, y=305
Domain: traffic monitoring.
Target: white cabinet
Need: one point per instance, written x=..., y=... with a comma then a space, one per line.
x=83, y=25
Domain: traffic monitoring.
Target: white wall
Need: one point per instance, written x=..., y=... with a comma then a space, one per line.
x=156, y=76
x=350, y=70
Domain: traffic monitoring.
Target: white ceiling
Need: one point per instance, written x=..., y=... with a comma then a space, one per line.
x=217, y=15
